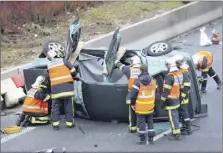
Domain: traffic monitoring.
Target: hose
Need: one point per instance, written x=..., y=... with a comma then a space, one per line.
x=11, y=129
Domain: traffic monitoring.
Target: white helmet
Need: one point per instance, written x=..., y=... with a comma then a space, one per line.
x=135, y=60
x=184, y=65
x=179, y=59
x=196, y=58
x=39, y=80
x=171, y=64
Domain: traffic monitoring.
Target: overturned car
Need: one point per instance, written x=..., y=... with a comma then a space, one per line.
x=101, y=93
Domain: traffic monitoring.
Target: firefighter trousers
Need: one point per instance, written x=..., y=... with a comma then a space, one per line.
x=132, y=119
x=183, y=113
x=68, y=108
x=174, y=120
x=132, y=114
x=144, y=121
x=212, y=74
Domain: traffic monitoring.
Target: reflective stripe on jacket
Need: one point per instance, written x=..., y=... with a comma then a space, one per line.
x=145, y=101
x=33, y=105
x=134, y=73
x=58, y=72
x=209, y=57
x=185, y=88
x=175, y=90
x=61, y=79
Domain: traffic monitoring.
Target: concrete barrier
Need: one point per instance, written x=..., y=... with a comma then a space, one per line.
x=165, y=26
x=161, y=27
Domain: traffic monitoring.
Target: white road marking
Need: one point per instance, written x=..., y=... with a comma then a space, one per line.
x=157, y=137
x=12, y=136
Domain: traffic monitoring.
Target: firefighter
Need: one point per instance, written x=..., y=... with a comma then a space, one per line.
x=131, y=73
x=203, y=61
x=35, y=107
x=184, y=95
x=171, y=97
x=143, y=102
x=61, y=74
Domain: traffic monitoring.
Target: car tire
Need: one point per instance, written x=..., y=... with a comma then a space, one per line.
x=158, y=48
x=53, y=42
x=158, y=104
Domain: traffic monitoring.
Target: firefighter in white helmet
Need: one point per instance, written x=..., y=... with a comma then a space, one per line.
x=35, y=107
x=132, y=72
x=184, y=95
x=203, y=61
x=61, y=74
x=171, y=96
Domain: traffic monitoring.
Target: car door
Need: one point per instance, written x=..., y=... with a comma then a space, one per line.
x=74, y=33
x=112, y=51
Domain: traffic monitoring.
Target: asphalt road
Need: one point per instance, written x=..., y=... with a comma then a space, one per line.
x=97, y=136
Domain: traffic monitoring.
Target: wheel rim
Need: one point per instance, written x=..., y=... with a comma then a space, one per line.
x=159, y=47
x=57, y=46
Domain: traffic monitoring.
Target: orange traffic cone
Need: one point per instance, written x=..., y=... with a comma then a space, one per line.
x=215, y=37
x=204, y=40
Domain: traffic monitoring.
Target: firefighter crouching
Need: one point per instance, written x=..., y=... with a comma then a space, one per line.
x=61, y=74
x=143, y=101
x=131, y=73
x=203, y=61
x=35, y=106
x=171, y=97
x=184, y=95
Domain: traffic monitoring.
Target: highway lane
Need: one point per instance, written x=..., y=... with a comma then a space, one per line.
x=98, y=136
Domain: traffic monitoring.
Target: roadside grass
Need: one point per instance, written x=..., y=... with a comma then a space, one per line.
x=95, y=21
x=109, y=12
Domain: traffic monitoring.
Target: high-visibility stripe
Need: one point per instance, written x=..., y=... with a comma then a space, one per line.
x=185, y=101
x=34, y=107
x=183, y=95
x=134, y=86
x=64, y=94
x=143, y=102
x=172, y=107
x=145, y=112
x=72, y=70
x=47, y=98
x=188, y=84
x=142, y=132
x=121, y=67
x=163, y=98
x=150, y=130
x=167, y=86
x=55, y=123
x=205, y=70
x=116, y=61
x=69, y=123
x=213, y=75
x=60, y=78
x=173, y=97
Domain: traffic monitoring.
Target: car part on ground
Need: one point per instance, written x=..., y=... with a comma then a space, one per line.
x=158, y=48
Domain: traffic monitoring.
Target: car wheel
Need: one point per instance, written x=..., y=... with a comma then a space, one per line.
x=158, y=48
x=54, y=44
x=158, y=104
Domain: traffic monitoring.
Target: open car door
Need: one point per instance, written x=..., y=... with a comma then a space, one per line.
x=74, y=33
x=111, y=53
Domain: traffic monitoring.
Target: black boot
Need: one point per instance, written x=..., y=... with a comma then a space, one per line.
x=203, y=90
x=26, y=121
x=219, y=86
x=20, y=119
x=150, y=139
x=175, y=137
x=188, y=127
x=142, y=139
x=56, y=127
